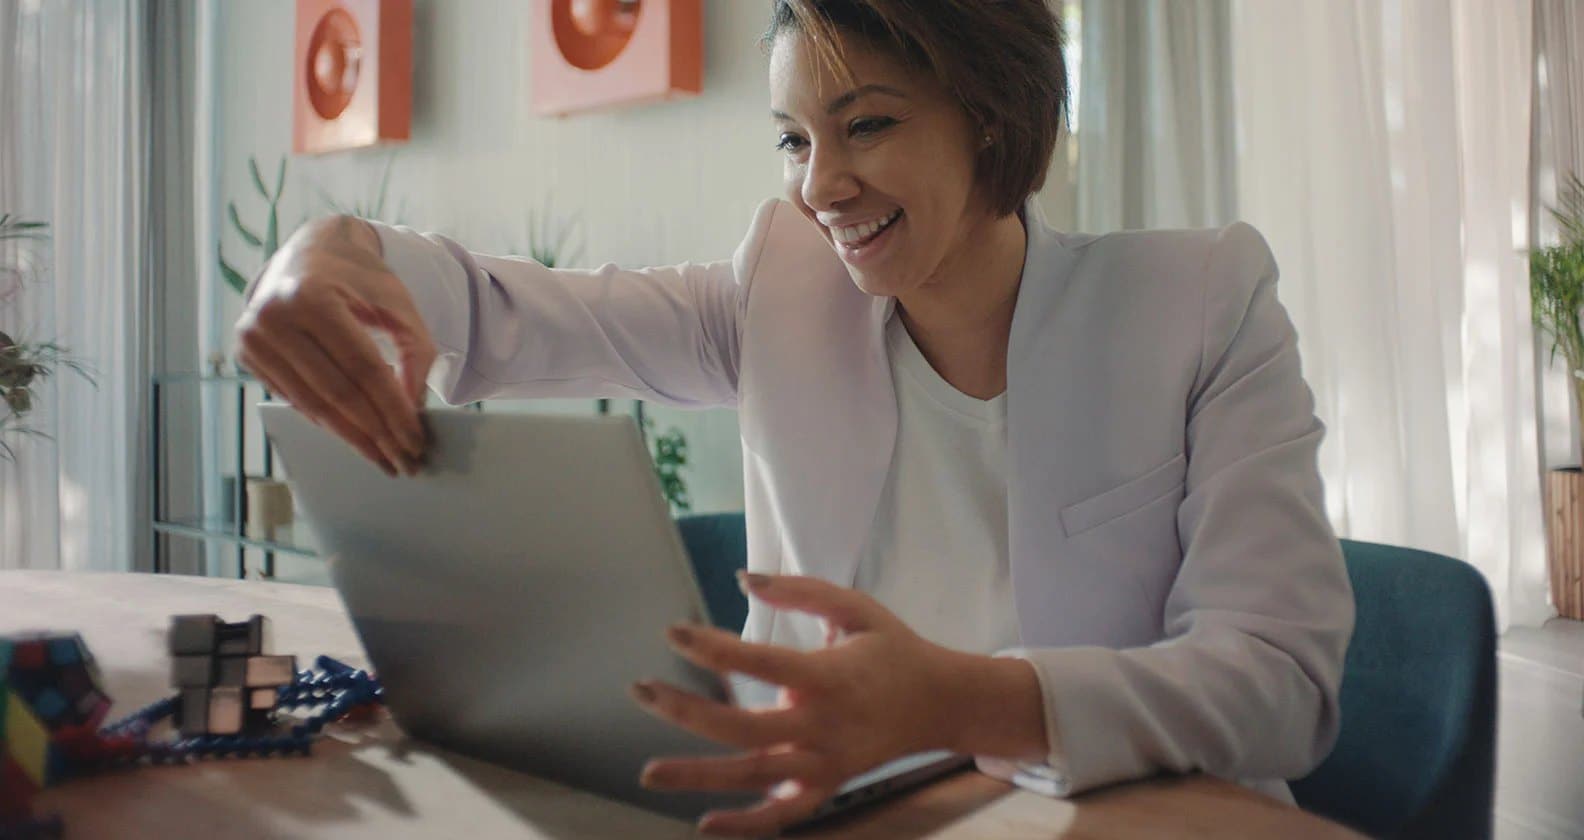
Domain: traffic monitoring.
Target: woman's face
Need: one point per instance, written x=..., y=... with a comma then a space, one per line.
x=884, y=166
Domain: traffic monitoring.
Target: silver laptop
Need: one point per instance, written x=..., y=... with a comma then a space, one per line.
x=509, y=595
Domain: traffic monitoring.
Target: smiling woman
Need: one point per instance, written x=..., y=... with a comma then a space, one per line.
x=1048, y=499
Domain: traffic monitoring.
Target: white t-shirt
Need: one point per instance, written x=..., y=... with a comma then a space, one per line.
x=937, y=552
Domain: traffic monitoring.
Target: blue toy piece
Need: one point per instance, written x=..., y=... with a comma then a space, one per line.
x=336, y=687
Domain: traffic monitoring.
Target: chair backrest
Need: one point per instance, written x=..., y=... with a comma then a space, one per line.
x=717, y=543
x=1416, y=754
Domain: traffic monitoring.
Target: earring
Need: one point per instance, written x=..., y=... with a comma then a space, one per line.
x=988, y=141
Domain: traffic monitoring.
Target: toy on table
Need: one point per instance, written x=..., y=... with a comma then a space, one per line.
x=228, y=685
x=50, y=699
x=229, y=690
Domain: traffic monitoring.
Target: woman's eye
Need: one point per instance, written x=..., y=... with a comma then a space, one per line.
x=789, y=143
x=870, y=125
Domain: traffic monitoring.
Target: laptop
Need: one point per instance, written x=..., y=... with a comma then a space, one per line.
x=509, y=594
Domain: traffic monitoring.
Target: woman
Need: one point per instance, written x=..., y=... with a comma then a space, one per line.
x=1048, y=499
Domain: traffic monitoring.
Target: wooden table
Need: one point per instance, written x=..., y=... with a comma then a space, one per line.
x=371, y=781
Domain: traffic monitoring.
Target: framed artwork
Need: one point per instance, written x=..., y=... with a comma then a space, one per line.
x=598, y=54
x=352, y=77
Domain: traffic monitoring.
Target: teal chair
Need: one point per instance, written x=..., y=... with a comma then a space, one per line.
x=1417, y=753
x=1416, y=756
x=717, y=543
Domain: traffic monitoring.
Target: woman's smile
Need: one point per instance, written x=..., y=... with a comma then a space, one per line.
x=867, y=241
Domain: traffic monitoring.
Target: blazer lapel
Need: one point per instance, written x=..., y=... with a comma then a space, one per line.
x=816, y=401
x=851, y=471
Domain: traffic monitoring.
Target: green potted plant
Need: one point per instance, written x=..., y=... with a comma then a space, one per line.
x=24, y=365
x=1556, y=290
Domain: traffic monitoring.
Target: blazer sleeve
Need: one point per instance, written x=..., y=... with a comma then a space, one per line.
x=1245, y=684
x=509, y=327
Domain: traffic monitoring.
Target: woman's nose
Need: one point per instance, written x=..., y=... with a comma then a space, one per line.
x=828, y=179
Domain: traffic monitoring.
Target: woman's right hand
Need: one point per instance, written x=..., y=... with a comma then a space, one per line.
x=305, y=333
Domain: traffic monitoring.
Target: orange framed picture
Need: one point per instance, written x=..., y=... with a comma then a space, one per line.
x=352, y=77
x=598, y=54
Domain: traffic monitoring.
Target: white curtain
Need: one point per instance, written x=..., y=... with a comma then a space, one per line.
x=73, y=91
x=1383, y=149
x=1557, y=149
x=1154, y=115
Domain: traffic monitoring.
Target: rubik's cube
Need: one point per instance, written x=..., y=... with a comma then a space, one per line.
x=51, y=700
x=226, y=682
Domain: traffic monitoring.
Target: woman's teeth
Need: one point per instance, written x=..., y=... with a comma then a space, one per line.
x=860, y=234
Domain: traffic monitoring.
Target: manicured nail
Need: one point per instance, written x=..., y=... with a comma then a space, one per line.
x=747, y=580
x=643, y=692
x=680, y=634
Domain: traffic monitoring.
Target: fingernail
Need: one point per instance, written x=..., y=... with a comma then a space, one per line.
x=747, y=580
x=680, y=634
x=392, y=450
x=643, y=692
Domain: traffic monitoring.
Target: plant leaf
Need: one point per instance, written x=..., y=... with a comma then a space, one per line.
x=233, y=278
x=280, y=179
x=271, y=233
x=258, y=180
x=248, y=236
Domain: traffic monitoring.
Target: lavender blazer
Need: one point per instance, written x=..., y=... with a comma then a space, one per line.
x=1178, y=587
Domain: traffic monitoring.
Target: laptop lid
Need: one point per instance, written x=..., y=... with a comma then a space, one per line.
x=511, y=592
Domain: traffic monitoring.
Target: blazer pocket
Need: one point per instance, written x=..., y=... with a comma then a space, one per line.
x=1125, y=498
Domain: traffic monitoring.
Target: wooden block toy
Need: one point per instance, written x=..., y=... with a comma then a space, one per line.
x=193, y=634
x=263, y=671
x=231, y=670
x=194, y=671
x=244, y=638
x=225, y=710
x=192, y=713
x=232, y=686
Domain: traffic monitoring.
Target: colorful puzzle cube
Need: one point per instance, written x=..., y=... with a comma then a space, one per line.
x=51, y=695
x=228, y=684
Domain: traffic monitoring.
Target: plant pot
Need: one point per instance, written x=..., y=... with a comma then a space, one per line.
x=1565, y=543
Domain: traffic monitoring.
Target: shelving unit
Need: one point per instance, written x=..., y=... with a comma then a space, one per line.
x=229, y=527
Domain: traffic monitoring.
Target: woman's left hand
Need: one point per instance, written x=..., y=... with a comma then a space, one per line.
x=878, y=691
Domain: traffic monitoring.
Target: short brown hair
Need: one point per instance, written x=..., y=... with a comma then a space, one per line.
x=1001, y=59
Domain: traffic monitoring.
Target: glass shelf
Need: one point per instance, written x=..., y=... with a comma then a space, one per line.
x=295, y=539
x=194, y=378
x=230, y=398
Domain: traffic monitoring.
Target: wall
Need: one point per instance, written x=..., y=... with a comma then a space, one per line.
x=652, y=185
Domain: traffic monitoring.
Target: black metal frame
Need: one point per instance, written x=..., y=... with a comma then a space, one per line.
x=237, y=534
